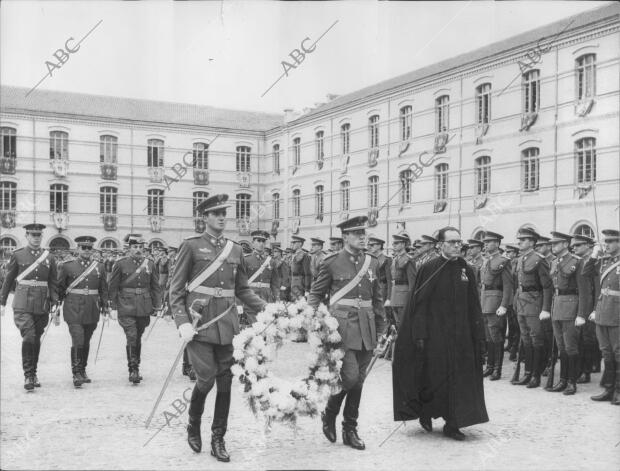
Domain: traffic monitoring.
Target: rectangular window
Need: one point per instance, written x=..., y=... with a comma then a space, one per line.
x=275, y=206
x=530, y=169
x=201, y=156
x=243, y=159
x=155, y=153
x=319, y=143
x=59, y=145
x=531, y=91
x=243, y=206
x=59, y=198
x=441, y=182
x=296, y=203
x=405, y=180
x=108, y=200
x=373, y=131
x=442, y=113
x=586, y=76
x=345, y=189
x=319, y=202
x=296, y=152
x=8, y=196
x=276, y=159
x=8, y=143
x=197, y=198
x=483, y=175
x=345, y=137
x=155, y=202
x=405, y=123
x=108, y=149
x=483, y=103
x=373, y=192
x=586, y=160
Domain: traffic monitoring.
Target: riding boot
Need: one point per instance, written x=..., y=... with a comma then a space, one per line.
x=573, y=364
x=563, y=382
x=28, y=365
x=132, y=364
x=85, y=353
x=75, y=367
x=607, y=382
x=186, y=365
x=615, y=400
x=196, y=408
x=328, y=417
x=527, y=375
x=350, y=415
x=499, y=360
x=490, y=360
x=219, y=426
x=138, y=357
x=37, y=349
x=597, y=357
x=538, y=360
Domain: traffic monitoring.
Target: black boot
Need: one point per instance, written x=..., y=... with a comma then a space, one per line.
x=615, y=400
x=138, y=358
x=37, y=349
x=527, y=375
x=28, y=365
x=75, y=367
x=596, y=357
x=219, y=426
x=192, y=373
x=607, y=382
x=573, y=364
x=499, y=361
x=490, y=360
x=196, y=408
x=451, y=431
x=537, y=361
x=86, y=351
x=132, y=365
x=186, y=365
x=328, y=417
x=563, y=382
x=350, y=415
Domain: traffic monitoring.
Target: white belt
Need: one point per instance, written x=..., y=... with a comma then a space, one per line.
x=258, y=284
x=83, y=291
x=610, y=292
x=33, y=283
x=215, y=292
x=357, y=302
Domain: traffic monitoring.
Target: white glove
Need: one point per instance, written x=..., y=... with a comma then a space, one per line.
x=114, y=314
x=187, y=332
x=387, y=303
x=306, y=294
x=592, y=316
x=239, y=309
x=544, y=315
x=579, y=321
x=501, y=311
x=2, y=308
x=282, y=288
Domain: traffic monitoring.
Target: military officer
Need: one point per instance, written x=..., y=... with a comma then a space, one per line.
x=475, y=256
x=301, y=276
x=403, y=272
x=135, y=293
x=335, y=244
x=543, y=247
x=426, y=251
x=210, y=271
x=533, y=302
x=260, y=272
x=512, y=252
x=163, y=267
x=496, y=290
x=565, y=315
x=607, y=314
x=351, y=279
x=277, y=265
x=110, y=258
x=82, y=288
x=585, y=289
x=316, y=255
x=375, y=247
x=33, y=271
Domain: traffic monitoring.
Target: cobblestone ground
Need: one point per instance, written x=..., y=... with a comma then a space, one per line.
x=101, y=426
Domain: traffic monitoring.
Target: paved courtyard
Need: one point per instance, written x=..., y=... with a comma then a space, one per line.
x=101, y=426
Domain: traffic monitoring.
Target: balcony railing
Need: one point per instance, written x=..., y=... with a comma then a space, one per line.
x=244, y=179
x=60, y=167
x=373, y=215
x=243, y=226
x=373, y=157
x=60, y=220
x=108, y=171
x=7, y=165
x=201, y=176
x=156, y=223
x=441, y=141
x=156, y=174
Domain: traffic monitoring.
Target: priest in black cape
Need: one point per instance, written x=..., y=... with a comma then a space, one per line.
x=437, y=368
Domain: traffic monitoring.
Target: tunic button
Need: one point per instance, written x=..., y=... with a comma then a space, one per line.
x=221, y=282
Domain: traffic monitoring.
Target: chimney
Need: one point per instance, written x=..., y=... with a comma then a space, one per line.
x=289, y=114
x=332, y=96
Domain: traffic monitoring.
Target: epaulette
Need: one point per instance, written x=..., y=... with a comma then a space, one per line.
x=124, y=257
x=504, y=256
x=372, y=255
x=330, y=256
x=193, y=237
x=247, y=254
x=541, y=256
x=73, y=259
x=576, y=256
x=21, y=249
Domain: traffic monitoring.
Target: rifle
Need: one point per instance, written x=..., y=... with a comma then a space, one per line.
x=517, y=372
x=554, y=359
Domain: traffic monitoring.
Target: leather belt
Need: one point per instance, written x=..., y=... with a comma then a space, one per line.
x=356, y=302
x=565, y=292
x=493, y=288
x=215, y=292
x=84, y=291
x=529, y=289
x=135, y=290
x=33, y=283
x=258, y=284
x=610, y=292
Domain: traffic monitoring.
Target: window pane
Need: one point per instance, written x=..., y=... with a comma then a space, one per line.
x=8, y=142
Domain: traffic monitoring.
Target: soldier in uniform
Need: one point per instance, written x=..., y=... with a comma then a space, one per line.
x=533, y=302
x=135, y=293
x=316, y=255
x=426, y=251
x=260, y=273
x=108, y=264
x=33, y=271
x=351, y=280
x=335, y=244
x=606, y=270
x=375, y=247
x=301, y=277
x=496, y=285
x=83, y=290
x=280, y=276
x=163, y=267
x=543, y=247
x=209, y=273
x=565, y=315
x=403, y=272
x=585, y=289
x=475, y=256
x=512, y=252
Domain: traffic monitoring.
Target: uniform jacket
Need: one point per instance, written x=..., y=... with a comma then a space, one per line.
x=425, y=257
x=607, y=289
x=564, y=275
x=358, y=326
x=496, y=283
x=301, y=275
x=281, y=277
x=476, y=263
x=266, y=283
x=31, y=299
x=585, y=289
x=402, y=273
x=534, y=285
x=108, y=264
x=134, y=295
x=385, y=274
x=195, y=254
x=315, y=260
x=82, y=308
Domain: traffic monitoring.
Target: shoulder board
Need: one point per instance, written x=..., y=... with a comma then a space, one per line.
x=247, y=254
x=193, y=237
x=235, y=242
x=122, y=258
x=21, y=249
x=505, y=257
x=540, y=256
x=373, y=256
x=68, y=260
x=330, y=256
x=576, y=257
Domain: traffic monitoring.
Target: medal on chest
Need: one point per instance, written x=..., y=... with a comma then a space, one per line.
x=463, y=274
x=371, y=276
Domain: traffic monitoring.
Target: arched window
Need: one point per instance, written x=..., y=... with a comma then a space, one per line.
x=197, y=198
x=108, y=196
x=586, y=230
x=406, y=177
x=585, y=158
x=319, y=143
x=373, y=192
x=275, y=206
x=243, y=206
x=345, y=137
x=59, y=198
x=7, y=245
x=585, y=75
x=441, y=182
x=276, y=158
x=8, y=142
x=108, y=244
x=483, y=103
x=243, y=158
x=406, y=114
x=201, y=156
x=531, y=91
x=345, y=195
x=296, y=203
x=373, y=131
x=59, y=145
x=8, y=196
x=483, y=175
x=108, y=149
x=296, y=152
x=442, y=113
x=319, y=202
x=155, y=153
x=530, y=168
x=155, y=202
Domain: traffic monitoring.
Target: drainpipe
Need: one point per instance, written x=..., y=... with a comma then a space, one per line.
x=331, y=176
x=387, y=206
x=460, y=157
x=34, y=168
x=555, y=143
x=131, y=177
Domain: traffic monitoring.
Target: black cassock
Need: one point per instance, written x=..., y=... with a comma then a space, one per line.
x=446, y=380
